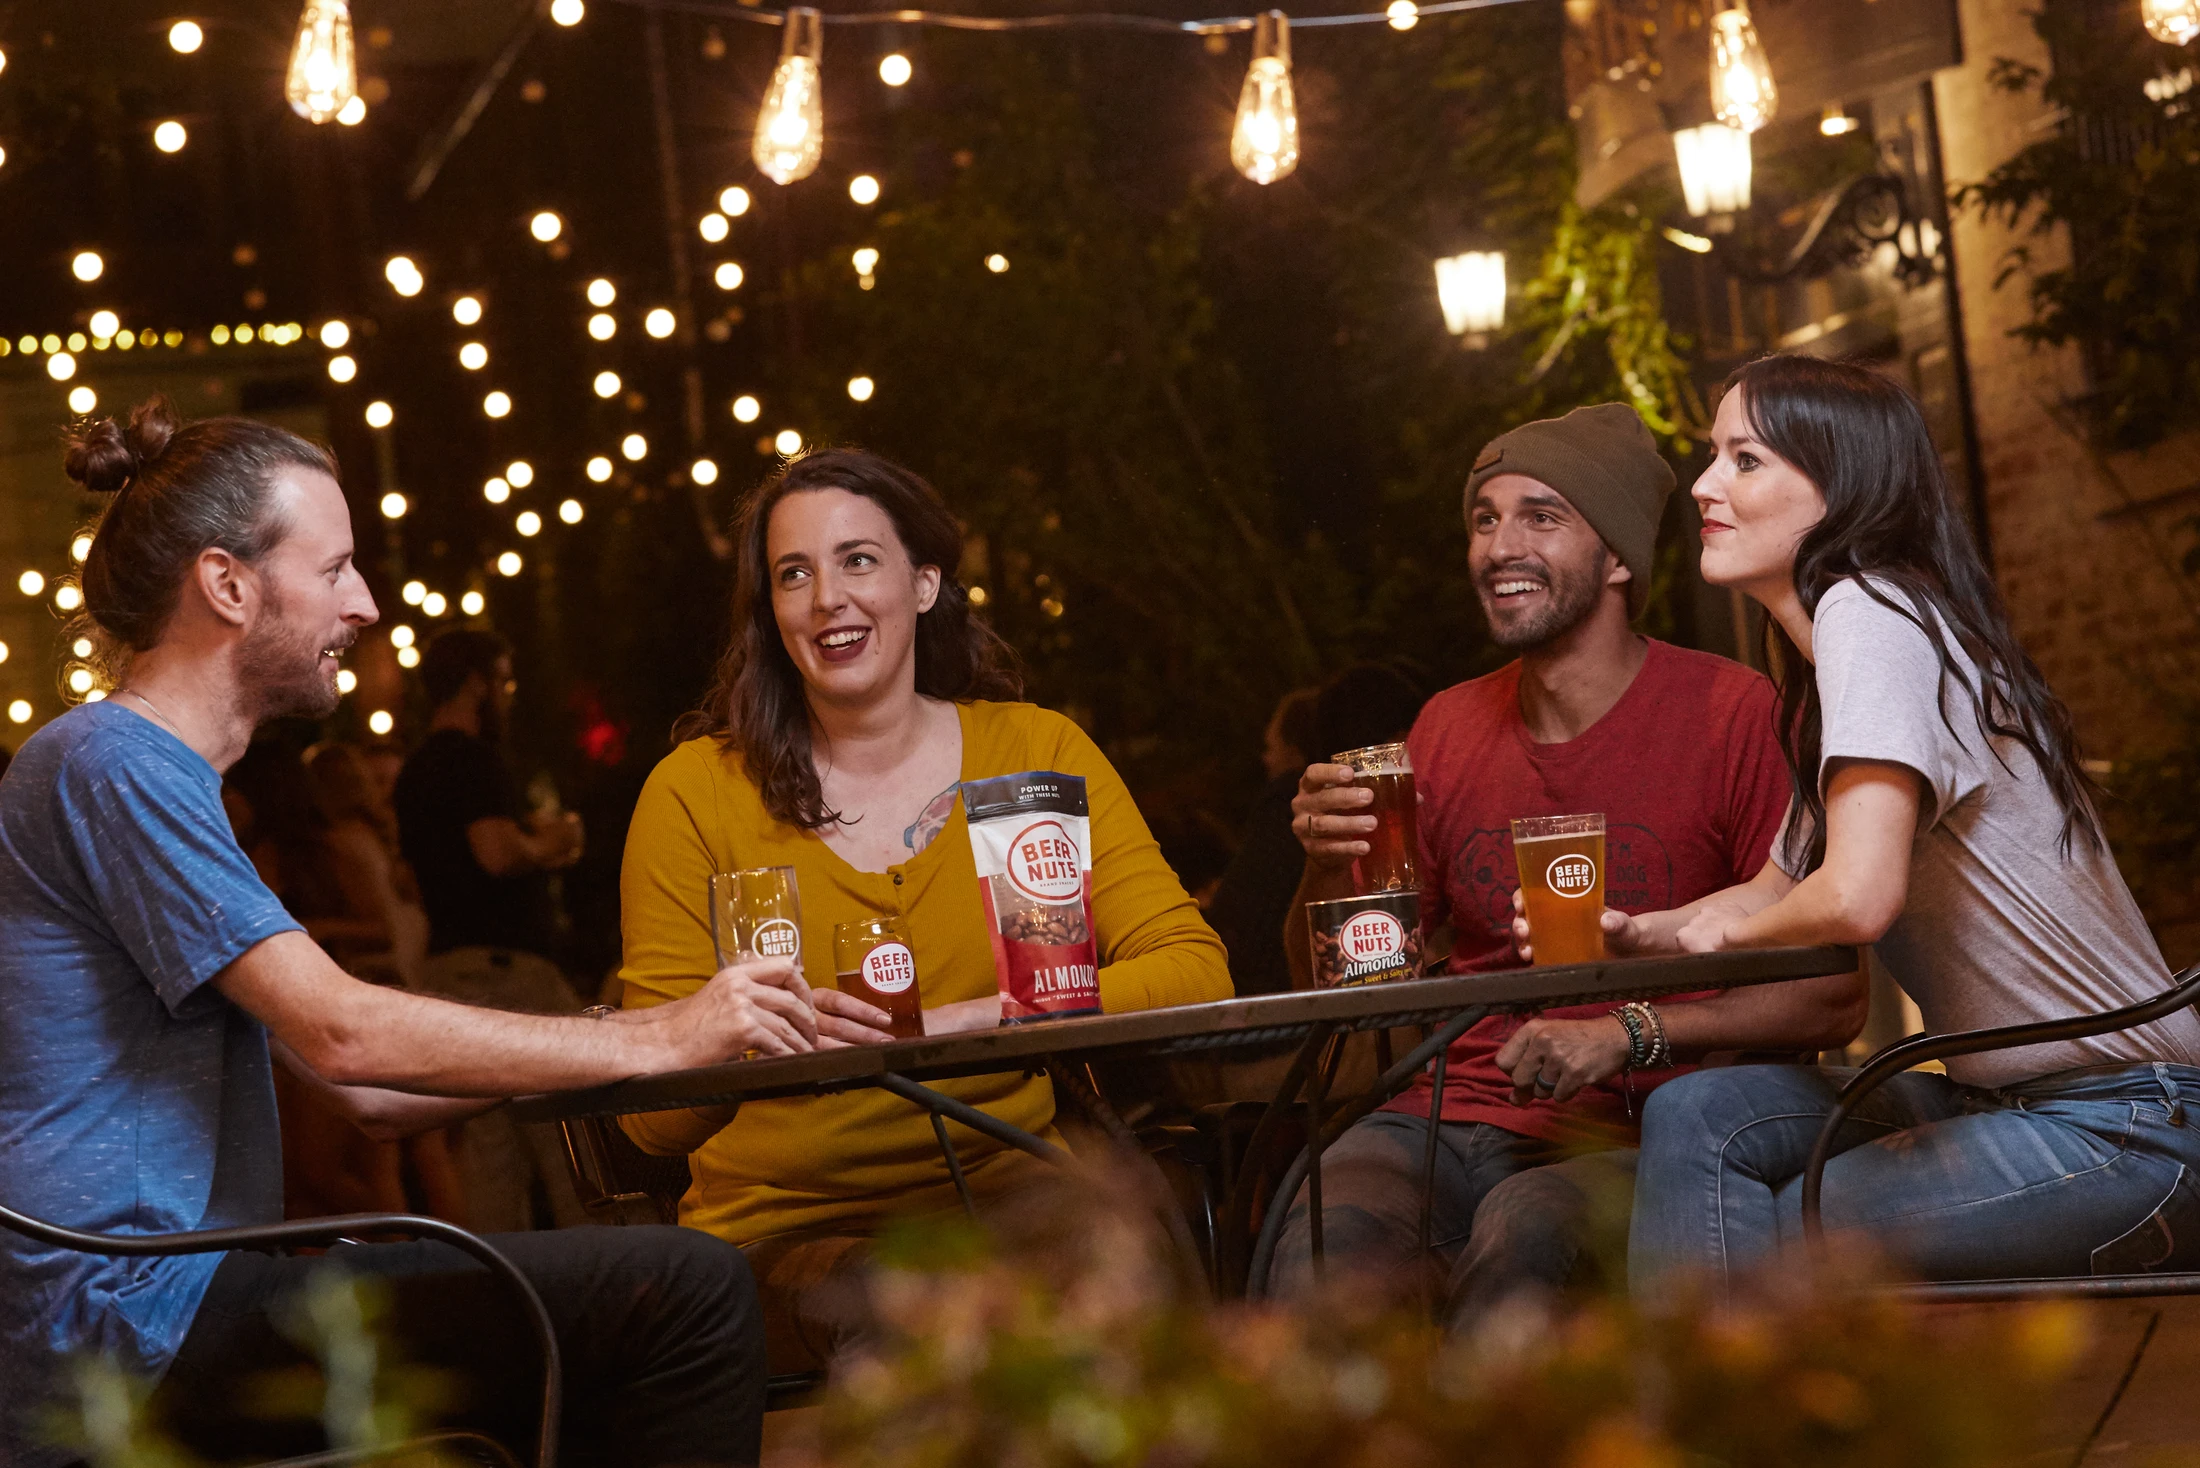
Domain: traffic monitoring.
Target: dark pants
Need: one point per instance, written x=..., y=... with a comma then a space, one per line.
x=1510, y=1214
x=659, y=1329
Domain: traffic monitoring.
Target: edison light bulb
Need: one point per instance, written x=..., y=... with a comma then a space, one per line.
x=1742, y=93
x=790, y=130
x=323, y=76
x=1264, y=146
x=2174, y=21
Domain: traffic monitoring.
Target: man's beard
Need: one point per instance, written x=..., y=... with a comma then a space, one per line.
x=1571, y=596
x=279, y=668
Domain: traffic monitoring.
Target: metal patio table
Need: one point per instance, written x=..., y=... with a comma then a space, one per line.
x=1445, y=1006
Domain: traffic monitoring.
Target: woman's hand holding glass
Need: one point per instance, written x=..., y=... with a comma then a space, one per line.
x=1625, y=936
x=843, y=1019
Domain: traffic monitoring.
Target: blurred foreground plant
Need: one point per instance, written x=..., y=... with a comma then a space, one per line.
x=1092, y=1354
x=362, y=1402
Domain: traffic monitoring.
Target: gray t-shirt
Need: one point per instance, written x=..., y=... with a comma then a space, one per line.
x=2000, y=927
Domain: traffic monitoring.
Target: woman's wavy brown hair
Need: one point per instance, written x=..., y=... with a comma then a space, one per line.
x=756, y=703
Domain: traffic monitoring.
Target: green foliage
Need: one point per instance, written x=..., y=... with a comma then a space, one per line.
x=1090, y=1354
x=1209, y=438
x=1600, y=285
x=361, y=1399
x=2131, y=293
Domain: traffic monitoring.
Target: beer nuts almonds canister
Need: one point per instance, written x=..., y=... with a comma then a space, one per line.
x=1365, y=940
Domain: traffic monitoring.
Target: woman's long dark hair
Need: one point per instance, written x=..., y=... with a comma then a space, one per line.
x=1891, y=516
x=756, y=702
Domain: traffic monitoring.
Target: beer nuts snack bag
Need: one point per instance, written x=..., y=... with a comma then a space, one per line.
x=1031, y=836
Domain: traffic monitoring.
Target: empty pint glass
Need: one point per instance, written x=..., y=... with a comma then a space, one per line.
x=1393, y=844
x=872, y=961
x=755, y=914
x=1561, y=864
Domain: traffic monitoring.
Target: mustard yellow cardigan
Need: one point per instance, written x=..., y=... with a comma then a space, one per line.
x=847, y=1162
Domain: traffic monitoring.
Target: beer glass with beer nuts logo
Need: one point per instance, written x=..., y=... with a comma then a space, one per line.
x=755, y=914
x=1394, y=844
x=1561, y=865
x=872, y=961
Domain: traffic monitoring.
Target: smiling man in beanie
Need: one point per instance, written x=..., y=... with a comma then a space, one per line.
x=1676, y=750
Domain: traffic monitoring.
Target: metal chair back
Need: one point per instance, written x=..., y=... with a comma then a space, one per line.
x=2183, y=993
x=312, y=1232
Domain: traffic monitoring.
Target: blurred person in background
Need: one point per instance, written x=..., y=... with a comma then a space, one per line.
x=385, y=761
x=330, y=1166
x=483, y=859
x=288, y=841
x=360, y=833
x=1255, y=891
x=1367, y=703
x=483, y=862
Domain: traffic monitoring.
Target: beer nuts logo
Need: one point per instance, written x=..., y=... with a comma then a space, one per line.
x=889, y=968
x=776, y=938
x=1372, y=937
x=1042, y=862
x=1571, y=876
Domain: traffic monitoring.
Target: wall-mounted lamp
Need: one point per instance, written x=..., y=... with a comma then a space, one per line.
x=1471, y=289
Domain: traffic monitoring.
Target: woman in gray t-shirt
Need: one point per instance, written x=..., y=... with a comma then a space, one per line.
x=1940, y=813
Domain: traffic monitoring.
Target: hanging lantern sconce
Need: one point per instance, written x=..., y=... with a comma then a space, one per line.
x=1471, y=289
x=1716, y=164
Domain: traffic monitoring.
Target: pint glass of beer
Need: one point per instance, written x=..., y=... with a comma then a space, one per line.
x=872, y=961
x=1392, y=845
x=1561, y=864
x=755, y=914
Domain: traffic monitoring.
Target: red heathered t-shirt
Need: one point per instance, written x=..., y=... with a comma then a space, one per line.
x=1687, y=773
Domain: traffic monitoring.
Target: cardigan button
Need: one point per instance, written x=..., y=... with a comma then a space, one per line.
x=897, y=879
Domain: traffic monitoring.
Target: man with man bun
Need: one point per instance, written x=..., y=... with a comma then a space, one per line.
x=1676, y=750
x=150, y=981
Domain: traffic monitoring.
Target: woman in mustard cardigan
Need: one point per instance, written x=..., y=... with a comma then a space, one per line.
x=857, y=693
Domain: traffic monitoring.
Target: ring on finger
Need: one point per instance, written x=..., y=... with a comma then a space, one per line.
x=1544, y=1085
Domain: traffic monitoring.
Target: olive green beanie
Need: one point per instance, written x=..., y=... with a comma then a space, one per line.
x=1607, y=465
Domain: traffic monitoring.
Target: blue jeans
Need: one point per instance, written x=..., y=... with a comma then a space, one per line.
x=2093, y=1171
x=1510, y=1215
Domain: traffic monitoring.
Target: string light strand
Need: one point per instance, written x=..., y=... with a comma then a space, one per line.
x=1099, y=20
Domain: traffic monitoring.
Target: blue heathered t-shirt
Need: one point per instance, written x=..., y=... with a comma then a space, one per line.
x=134, y=1098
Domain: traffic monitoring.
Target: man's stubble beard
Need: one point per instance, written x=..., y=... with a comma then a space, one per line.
x=279, y=669
x=1574, y=596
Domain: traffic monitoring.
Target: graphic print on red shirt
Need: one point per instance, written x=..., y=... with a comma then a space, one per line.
x=1688, y=776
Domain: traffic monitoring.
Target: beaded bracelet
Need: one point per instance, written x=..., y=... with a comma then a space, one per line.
x=1647, y=1046
x=1630, y=1019
x=1661, y=1049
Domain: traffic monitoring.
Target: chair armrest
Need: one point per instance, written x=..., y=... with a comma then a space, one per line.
x=2183, y=992
x=307, y=1232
